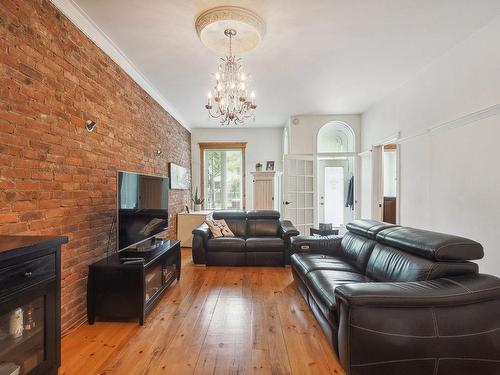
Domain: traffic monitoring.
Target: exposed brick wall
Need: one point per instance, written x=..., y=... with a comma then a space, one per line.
x=55, y=177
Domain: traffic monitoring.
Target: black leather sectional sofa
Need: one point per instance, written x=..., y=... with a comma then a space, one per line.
x=261, y=239
x=401, y=301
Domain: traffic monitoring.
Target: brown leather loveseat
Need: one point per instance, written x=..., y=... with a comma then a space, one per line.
x=261, y=239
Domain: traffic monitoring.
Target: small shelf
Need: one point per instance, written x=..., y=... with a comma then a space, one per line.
x=9, y=344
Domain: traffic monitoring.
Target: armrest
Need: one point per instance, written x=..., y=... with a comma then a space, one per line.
x=201, y=235
x=450, y=291
x=329, y=245
x=204, y=231
x=456, y=319
x=288, y=229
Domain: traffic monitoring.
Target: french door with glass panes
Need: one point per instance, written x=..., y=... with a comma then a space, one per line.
x=298, y=197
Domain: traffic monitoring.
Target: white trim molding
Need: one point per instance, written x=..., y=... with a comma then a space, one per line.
x=83, y=22
x=465, y=120
x=393, y=138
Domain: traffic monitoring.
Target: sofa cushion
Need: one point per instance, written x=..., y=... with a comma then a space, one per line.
x=265, y=244
x=356, y=250
x=263, y=214
x=431, y=245
x=367, y=228
x=390, y=264
x=235, y=220
x=219, y=228
x=304, y=263
x=226, y=244
x=263, y=227
x=322, y=285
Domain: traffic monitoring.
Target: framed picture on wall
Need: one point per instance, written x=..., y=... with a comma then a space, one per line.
x=179, y=177
x=270, y=165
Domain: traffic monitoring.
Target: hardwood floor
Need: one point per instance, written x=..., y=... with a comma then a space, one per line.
x=217, y=320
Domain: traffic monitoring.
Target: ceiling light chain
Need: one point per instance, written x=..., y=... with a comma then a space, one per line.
x=230, y=93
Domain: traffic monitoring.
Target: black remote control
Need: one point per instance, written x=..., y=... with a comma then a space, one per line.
x=126, y=259
x=138, y=261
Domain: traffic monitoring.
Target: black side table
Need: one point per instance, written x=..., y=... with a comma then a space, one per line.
x=323, y=232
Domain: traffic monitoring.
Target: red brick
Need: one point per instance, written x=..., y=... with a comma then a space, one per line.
x=24, y=205
x=9, y=218
x=55, y=177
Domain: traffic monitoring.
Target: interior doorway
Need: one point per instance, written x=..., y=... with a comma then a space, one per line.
x=390, y=183
x=336, y=190
x=385, y=182
x=335, y=162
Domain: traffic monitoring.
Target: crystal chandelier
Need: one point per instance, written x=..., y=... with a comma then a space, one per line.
x=230, y=93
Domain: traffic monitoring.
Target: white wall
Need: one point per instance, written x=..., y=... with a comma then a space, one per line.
x=449, y=119
x=302, y=134
x=263, y=144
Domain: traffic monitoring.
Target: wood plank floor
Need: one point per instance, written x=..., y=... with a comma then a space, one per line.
x=216, y=320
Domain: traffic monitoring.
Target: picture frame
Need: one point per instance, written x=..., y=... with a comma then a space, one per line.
x=179, y=177
x=270, y=165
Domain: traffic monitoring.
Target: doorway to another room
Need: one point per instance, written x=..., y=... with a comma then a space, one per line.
x=335, y=161
x=336, y=191
x=385, y=184
x=389, y=172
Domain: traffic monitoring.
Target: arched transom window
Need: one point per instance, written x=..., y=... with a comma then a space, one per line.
x=335, y=137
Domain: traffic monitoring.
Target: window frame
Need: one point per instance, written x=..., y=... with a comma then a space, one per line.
x=224, y=146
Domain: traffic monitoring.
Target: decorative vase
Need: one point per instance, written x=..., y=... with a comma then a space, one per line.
x=197, y=207
x=16, y=327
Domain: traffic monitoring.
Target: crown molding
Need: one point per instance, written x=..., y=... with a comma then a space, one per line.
x=85, y=24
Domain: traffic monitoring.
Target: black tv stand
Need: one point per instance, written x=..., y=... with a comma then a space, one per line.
x=118, y=290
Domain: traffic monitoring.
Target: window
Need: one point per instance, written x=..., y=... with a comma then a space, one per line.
x=223, y=175
x=335, y=137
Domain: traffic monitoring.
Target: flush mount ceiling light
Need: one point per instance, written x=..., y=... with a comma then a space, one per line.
x=230, y=29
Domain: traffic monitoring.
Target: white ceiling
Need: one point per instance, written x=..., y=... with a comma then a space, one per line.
x=317, y=57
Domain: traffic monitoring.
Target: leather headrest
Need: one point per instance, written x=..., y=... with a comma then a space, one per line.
x=431, y=245
x=229, y=215
x=263, y=214
x=367, y=228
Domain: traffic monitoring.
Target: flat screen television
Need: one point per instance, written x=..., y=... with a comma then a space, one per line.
x=142, y=208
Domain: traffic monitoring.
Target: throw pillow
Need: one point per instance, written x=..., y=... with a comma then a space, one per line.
x=219, y=228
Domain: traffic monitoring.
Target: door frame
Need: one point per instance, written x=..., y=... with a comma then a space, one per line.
x=378, y=177
x=342, y=163
x=224, y=146
x=356, y=174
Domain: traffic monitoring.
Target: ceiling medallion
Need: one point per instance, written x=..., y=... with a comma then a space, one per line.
x=211, y=24
x=242, y=30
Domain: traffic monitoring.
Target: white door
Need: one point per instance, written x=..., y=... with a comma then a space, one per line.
x=298, y=197
x=335, y=184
